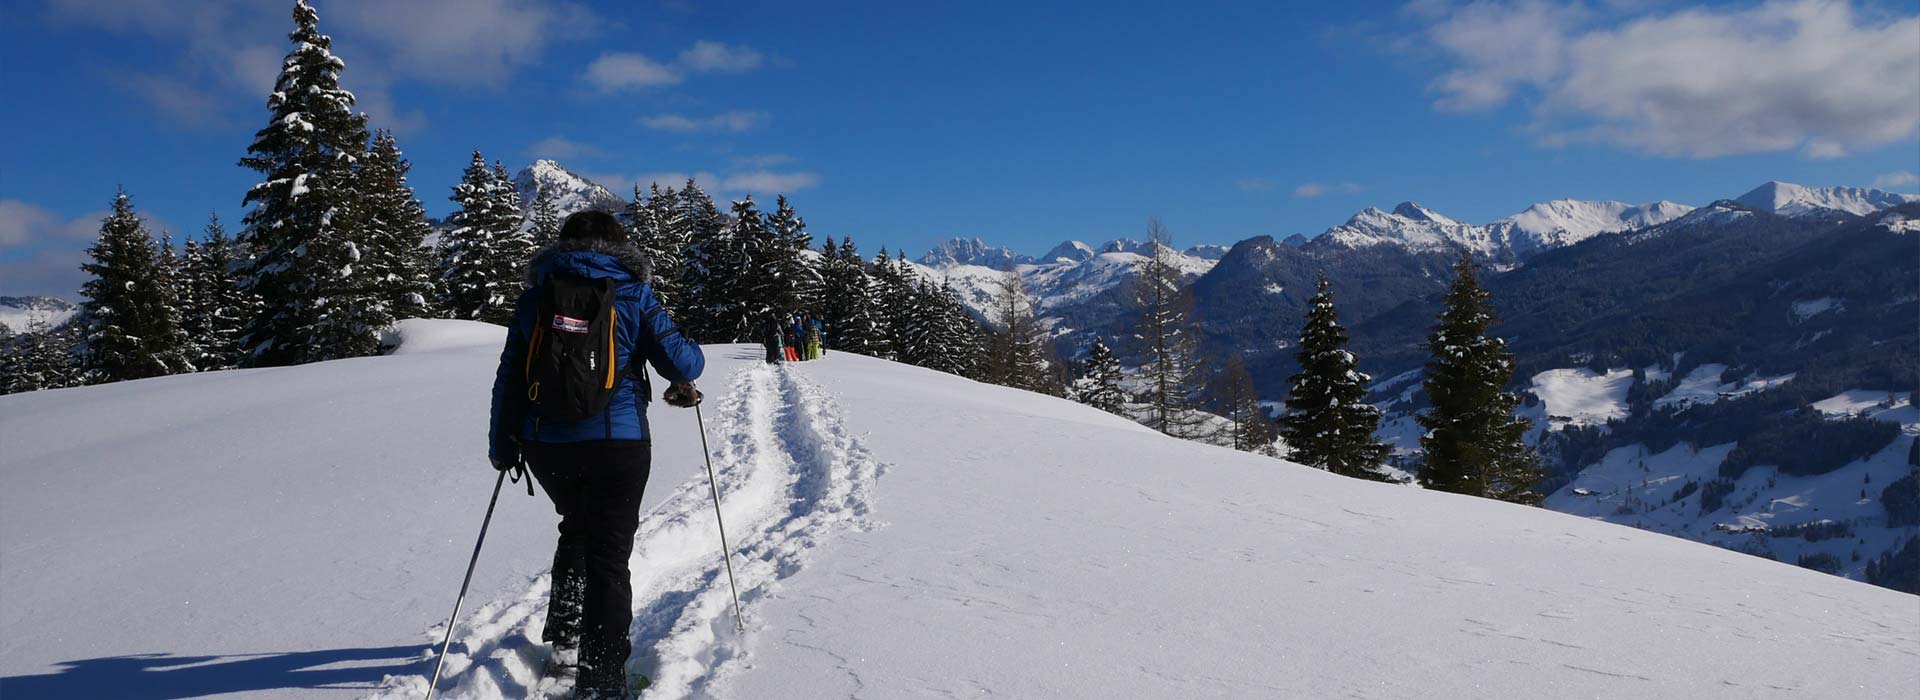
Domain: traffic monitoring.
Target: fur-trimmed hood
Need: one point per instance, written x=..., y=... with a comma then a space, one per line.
x=590, y=257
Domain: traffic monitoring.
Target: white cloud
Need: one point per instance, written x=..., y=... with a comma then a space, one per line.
x=737, y=120
x=20, y=221
x=460, y=42
x=1896, y=180
x=52, y=271
x=227, y=53
x=715, y=57
x=41, y=251
x=1807, y=75
x=561, y=148
x=614, y=71
x=1310, y=190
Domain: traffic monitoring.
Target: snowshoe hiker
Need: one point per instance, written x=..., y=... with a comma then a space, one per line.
x=814, y=339
x=770, y=337
x=570, y=398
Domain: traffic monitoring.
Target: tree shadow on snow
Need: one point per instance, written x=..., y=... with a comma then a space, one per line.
x=170, y=677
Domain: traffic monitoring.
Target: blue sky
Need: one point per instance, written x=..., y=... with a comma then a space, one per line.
x=1022, y=123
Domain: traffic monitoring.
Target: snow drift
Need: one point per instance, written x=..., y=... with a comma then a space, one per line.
x=298, y=533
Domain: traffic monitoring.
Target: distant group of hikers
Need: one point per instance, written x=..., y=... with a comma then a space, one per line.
x=793, y=339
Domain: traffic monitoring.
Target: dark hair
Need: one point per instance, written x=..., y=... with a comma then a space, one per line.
x=592, y=224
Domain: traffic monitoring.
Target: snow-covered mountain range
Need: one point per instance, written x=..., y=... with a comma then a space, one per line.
x=896, y=533
x=18, y=314
x=1791, y=200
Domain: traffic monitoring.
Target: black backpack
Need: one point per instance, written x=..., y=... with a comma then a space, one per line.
x=572, y=356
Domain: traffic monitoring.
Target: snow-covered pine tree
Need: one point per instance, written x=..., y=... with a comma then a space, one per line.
x=543, y=223
x=1099, y=384
x=40, y=358
x=936, y=332
x=709, y=268
x=300, y=231
x=752, y=262
x=1237, y=399
x=894, y=289
x=216, y=309
x=394, y=232
x=1017, y=350
x=1164, y=339
x=171, y=287
x=1329, y=424
x=800, y=286
x=847, y=307
x=132, y=324
x=1473, y=444
x=668, y=246
x=482, y=255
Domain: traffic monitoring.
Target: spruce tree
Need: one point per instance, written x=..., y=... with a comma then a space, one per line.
x=300, y=236
x=1164, y=339
x=1329, y=425
x=752, y=261
x=215, y=308
x=710, y=267
x=39, y=358
x=799, y=285
x=170, y=286
x=848, y=308
x=665, y=239
x=543, y=223
x=132, y=324
x=936, y=332
x=1238, y=400
x=1017, y=352
x=1099, y=385
x=482, y=255
x=394, y=231
x=1474, y=444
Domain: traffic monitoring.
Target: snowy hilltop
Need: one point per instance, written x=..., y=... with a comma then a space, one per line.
x=898, y=532
x=570, y=192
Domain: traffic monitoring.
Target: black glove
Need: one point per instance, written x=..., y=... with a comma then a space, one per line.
x=515, y=468
x=682, y=396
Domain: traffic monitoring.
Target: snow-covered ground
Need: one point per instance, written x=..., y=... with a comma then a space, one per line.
x=1889, y=406
x=1581, y=397
x=1703, y=385
x=297, y=533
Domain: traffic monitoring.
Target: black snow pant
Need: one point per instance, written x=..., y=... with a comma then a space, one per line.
x=596, y=487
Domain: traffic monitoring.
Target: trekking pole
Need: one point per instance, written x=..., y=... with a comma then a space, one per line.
x=726, y=551
x=444, y=644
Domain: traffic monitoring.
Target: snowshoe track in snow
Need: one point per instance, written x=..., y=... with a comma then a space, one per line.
x=790, y=477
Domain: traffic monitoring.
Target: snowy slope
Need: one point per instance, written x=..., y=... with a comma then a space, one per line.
x=20, y=313
x=899, y=533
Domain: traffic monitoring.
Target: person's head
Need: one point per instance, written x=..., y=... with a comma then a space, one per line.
x=592, y=225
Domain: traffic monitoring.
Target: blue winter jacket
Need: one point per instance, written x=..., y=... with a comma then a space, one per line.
x=645, y=334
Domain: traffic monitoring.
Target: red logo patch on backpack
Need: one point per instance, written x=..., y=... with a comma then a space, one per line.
x=568, y=324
